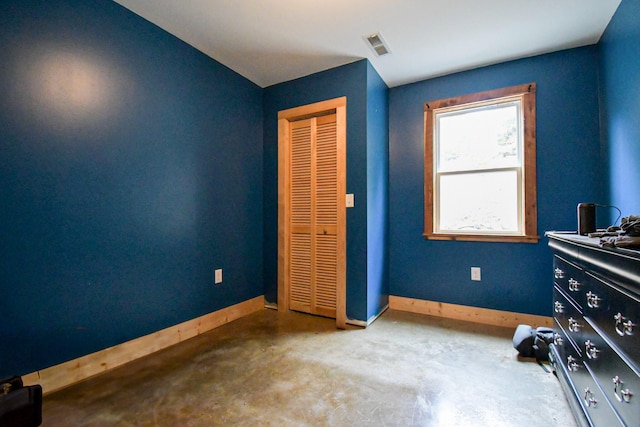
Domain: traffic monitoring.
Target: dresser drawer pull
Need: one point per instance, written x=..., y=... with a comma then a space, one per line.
x=593, y=300
x=557, y=340
x=572, y=365
x=558, y=274
x=591, y=350
x=589, y=400
x=574, y=285
x=574, y=326
x=558, y=307
x=623, y=395
x=623, y=325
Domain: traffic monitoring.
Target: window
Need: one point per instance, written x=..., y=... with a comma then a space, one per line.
x=480, y=166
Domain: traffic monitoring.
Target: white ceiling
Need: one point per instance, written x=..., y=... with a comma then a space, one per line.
x=272, y=41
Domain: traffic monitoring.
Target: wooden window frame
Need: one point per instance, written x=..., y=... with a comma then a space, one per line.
x=527, y=94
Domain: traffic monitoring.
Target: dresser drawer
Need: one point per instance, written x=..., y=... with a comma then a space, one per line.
x=561, y=341
x=616, y=312
x=588, y=392
x=568, y=316
x=619, y=382
x=568, y=277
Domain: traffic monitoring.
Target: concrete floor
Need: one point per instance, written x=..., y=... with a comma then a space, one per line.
x=272, y=369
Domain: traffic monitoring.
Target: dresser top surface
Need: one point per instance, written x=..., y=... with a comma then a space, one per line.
x=590, y=242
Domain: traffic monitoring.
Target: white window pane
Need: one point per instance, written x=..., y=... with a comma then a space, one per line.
x=479, y=138
x=485, y=201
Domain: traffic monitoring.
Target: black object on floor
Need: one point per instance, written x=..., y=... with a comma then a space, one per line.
x=20, y=406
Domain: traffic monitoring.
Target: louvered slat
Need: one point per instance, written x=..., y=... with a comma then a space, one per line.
x=300, y=275
x=301, y=175
x=325, y=286
x=326, y=173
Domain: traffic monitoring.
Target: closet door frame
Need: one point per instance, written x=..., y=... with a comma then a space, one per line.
x=285, y=117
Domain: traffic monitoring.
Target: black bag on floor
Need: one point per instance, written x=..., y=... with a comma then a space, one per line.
x=533, y=342
x=20, y=406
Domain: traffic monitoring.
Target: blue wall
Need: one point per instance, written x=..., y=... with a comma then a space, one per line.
x=132, y=165
x=515, y=277
x=350, y=81
x=620, y=106
x=377, y=193
x=367, y=178
x=130, y=168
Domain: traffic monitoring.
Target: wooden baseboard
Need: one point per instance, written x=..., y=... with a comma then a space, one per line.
x=68, y=373
x=471, y=314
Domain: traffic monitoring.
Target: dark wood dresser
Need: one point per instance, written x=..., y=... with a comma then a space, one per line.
x=596, y=310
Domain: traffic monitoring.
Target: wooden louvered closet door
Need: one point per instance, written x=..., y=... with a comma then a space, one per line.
x=313, y=216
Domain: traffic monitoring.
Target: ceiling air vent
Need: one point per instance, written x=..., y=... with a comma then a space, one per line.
x=378, y=44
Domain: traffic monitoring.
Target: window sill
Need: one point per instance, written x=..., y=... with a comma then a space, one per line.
x=482, y=238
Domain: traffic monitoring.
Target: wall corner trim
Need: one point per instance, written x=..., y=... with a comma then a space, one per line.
x=484, y=316
x=68, y=373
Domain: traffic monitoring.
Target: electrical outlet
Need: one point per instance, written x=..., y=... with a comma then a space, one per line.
x=218, y=276
x=475, y=274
